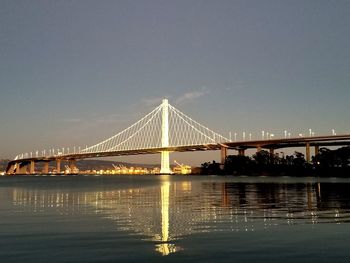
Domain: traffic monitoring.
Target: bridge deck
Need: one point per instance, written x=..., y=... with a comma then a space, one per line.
x=336, y=140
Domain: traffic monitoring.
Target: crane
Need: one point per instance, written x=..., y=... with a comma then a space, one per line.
x=182, y=168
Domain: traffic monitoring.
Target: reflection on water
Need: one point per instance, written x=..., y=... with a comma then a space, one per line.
x=165, y=248
x=169, y=211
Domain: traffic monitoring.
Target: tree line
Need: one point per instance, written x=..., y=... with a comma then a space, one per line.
x=326, y=163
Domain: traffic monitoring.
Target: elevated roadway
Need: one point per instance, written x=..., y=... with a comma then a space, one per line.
x=27, y=165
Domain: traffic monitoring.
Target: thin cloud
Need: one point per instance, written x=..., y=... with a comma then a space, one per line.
x=191, y=96
x=152, y=101
x=238, y=85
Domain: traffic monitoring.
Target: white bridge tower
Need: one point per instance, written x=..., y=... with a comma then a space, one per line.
x=164, y=167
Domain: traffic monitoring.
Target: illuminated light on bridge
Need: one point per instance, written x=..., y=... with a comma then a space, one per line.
x=163, y=130
x=166, y=129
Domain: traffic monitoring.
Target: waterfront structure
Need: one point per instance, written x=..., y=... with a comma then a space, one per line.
x=165, y=130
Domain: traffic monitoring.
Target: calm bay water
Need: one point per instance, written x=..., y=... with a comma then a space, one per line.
x=174, y=218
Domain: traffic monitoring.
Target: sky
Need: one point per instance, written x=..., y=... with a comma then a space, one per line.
x=77, y=72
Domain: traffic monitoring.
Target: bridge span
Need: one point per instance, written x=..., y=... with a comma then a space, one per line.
x=27, y=165
x=166, y=130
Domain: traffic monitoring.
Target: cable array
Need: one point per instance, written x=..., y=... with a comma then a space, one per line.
x=147, y=133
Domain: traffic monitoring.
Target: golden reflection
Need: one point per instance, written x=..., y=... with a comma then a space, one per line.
x=165, y=248
x=186, y=186
x=172, y=210
x=164, y=189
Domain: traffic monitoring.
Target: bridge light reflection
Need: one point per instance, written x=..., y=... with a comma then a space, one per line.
x=165, y=248
x=173, y=210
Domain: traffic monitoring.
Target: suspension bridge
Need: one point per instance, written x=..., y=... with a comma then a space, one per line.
x=164, y=130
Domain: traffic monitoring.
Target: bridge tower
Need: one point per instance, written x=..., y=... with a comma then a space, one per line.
x=164, y=167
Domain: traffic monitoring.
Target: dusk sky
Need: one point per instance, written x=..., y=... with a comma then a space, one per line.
x=73, y=73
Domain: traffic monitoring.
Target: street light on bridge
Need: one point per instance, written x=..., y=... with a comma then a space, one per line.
x=310, y=132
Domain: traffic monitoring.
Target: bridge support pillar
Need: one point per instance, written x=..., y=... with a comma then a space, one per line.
x=307, y=152
x=32, y=167
x=11, y=169
x=223, y=154
x=241, y=152
x=21, y=168
x=72, y=166
x=164, y=166
x=58, y=166
x=46, y=168
x=317, y=149
x=17, y=168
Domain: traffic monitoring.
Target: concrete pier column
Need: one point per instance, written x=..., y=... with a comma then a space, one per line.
x=32, y=167
x=241, y=152
x=272, y=151
x=317, y=149
x=21, y=168
x=72, y=165
x=58, y=166
x=307, y=152
x=46, y=168
x=223, y=154
x=17, y=168
x=164, y=163
x=11, y=169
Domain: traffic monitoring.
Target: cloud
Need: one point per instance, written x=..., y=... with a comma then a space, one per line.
x=153, y=101
x=187, y=97
x=238, y=85
x=192, y=95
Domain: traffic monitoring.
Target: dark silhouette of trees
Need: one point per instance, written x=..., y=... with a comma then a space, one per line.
x=211, y=168
x=237, y=164
x=328, y=159
x=299, y=160
x=262, y=158
x=325, y=162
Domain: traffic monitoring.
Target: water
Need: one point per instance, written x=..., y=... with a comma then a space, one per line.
x=174, y=218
